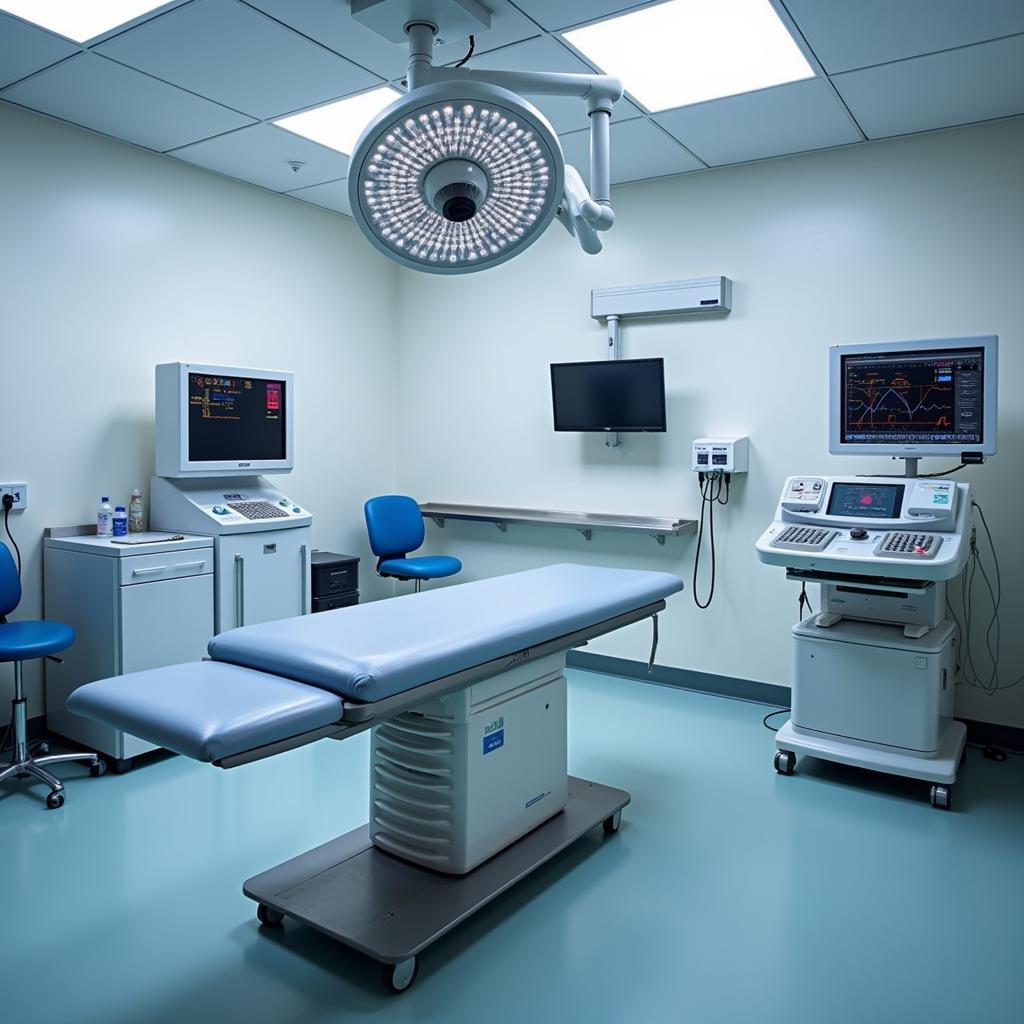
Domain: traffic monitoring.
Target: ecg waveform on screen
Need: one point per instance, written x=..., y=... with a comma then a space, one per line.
x=874, y=400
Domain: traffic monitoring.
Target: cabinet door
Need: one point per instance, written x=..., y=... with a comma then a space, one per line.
x=268, y=576
x=164, y=623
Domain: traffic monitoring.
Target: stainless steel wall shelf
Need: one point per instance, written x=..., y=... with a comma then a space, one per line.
x=659, y=527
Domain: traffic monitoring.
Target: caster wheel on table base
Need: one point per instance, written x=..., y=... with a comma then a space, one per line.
x=941, y=797
x=399, y=977
x=269, y=916
x=784, y=762
x=611, y=824
x=98, y=769
x=55, y=799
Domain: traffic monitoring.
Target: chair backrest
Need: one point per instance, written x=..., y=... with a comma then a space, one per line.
x=394, y=523
x=10, y=585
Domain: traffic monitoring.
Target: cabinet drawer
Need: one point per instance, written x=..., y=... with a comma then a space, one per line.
x=167, y=565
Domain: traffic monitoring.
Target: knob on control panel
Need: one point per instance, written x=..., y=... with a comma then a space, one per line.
x=858, y=533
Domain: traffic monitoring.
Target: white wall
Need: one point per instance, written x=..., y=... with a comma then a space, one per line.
x=912, y=238
x=112, y=260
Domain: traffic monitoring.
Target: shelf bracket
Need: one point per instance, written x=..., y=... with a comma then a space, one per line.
x=439, y=521
x=588, y=534
x=502, y=526
x=660, y=538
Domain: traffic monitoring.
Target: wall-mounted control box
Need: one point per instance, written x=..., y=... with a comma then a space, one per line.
x=724, y=454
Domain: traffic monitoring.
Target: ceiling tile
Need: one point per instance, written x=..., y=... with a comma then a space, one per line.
x=639, y=150
x=260, y=154
x=975, y=83
x=234, y=55
x=845, y=35
x=332, y=195
x=770, y=122
x=99, y=94
x=25, y=48
x=331, y=23
x=558, y=14
x=566, y=113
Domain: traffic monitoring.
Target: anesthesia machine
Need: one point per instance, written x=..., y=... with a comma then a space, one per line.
x=874, y=672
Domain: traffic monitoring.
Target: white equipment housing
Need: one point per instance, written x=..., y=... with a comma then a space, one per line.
x=459, y=779
x=873, y=672
x=720, y=454
x=262, y=544
x=667, y=298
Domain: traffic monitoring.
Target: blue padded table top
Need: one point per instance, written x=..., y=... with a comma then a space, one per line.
x=206, y=710
x=372, y=651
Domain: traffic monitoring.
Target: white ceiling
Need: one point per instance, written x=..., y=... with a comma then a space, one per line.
x=201, y=79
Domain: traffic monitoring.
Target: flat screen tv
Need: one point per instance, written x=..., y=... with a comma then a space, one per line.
x=612, y=395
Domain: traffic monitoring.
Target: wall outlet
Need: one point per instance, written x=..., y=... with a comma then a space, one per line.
x=19, y=493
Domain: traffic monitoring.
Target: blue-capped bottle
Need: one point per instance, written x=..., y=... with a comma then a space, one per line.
x=120, y=521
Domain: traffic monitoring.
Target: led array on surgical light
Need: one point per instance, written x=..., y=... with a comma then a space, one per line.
x=488, y=139
x=462, y=173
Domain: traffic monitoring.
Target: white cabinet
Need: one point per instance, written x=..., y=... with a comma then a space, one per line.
x=262, y=576
x=132, y=608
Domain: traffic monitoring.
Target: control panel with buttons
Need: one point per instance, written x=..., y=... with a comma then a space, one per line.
x=891, y=527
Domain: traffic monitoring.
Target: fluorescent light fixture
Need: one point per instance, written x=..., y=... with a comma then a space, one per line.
x=689, y=51
x=338, y=125
x=80, y=20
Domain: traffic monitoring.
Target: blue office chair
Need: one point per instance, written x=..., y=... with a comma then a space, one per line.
x=395, y=526
x=21, y=641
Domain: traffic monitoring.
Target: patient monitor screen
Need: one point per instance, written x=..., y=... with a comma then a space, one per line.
x=926, y=397
x=866, y=501
x=235, y=419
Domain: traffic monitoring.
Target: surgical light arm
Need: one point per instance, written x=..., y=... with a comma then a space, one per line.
x=583, y=213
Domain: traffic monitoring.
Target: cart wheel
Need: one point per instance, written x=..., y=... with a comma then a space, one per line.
x=98, y=769
x=398, y=977
x=44, y=747
x=611, y=824
x=785, y=762
x=55, y=799
x=269, y=916
x=941, y=797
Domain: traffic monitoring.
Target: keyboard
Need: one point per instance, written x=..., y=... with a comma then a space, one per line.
x=804, y=538
x=909, y=545
x=258, y=509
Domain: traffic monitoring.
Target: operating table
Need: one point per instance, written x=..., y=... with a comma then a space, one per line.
x=464, y=690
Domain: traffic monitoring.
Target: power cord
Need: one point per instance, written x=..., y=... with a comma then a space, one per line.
x=712, y=487
x=803, y=601
x=772, y=714
x=472, y=47
x=8, y=503
x=972, y=671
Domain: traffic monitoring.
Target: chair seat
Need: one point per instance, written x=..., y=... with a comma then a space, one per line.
x=23, y=641
x=426, y=567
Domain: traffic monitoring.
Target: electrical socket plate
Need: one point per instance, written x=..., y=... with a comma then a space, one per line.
x=20, y=492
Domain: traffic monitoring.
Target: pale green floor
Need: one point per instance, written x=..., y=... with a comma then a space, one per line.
x=730, y=894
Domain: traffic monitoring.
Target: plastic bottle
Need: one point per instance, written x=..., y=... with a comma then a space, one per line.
x=136, y=513
x=105, y=519
x=120, y=521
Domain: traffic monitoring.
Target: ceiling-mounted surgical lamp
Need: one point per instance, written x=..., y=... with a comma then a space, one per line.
x=462, y=173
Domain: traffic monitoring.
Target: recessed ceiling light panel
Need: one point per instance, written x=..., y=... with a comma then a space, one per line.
x=338, y=125
x=455, y=178
x=689, y=51
x=80, y=20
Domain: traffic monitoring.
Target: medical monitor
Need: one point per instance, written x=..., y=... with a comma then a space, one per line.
x=609, y=395
x=914, y=398
x=222, y=421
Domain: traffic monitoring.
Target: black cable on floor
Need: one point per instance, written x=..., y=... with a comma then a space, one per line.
x=772, y=714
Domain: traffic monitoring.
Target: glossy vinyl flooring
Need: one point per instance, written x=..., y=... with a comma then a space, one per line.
x=730, y=894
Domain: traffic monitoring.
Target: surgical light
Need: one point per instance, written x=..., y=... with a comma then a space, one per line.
x=462, y=173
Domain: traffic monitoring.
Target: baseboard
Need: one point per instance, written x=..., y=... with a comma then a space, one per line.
x=686, y=679
x=985, y=734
